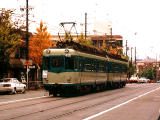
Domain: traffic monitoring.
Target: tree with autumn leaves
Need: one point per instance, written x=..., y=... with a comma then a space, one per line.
x=37, y=43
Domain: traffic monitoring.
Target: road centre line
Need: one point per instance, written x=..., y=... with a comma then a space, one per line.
x=1, y=103
x=117, y=106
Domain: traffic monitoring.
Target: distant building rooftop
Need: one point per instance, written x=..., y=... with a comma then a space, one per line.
x=147, y=60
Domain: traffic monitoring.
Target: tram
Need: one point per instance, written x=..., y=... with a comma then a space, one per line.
x=67, y=70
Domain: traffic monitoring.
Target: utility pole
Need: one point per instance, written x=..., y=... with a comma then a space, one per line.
x=131, y=55
x=85, y=26
x=111, y=33
x=110, y=38
x=135, y=57
x=135, y=61
x=156, y=69
x=126, y=47
x=27, y=42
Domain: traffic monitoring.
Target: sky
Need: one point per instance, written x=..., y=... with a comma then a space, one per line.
x=138, y=21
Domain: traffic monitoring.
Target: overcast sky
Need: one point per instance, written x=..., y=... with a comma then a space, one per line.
x=126, y=17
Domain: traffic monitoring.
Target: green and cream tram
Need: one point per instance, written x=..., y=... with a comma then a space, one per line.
x=69, y=70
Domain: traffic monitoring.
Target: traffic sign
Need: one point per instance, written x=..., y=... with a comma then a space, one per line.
x=32, y=67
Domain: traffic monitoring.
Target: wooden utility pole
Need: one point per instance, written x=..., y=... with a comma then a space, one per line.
x=85, y=26
x=111, y=33
x=126, y=48
x=135, y=57
x=27, y=42
x=156, y=69
x=135, y=61
x=131, y=55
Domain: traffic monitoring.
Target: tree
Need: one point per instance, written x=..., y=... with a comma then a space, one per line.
x=37, y=43
x=131, y=69
x=83, y=41
x=149, y=73
x=9, y=38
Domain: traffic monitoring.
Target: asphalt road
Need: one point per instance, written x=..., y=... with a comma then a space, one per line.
x=134, y=102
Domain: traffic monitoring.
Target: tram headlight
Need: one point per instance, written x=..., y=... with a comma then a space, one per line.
x=66, y=50
x=48, y=51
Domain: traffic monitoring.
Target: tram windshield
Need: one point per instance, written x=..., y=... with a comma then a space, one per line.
x=46, y=63
x=57, y=62
x=69, y=63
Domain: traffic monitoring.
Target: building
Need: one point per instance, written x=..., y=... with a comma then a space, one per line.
x=114, y=40
x=98, y=40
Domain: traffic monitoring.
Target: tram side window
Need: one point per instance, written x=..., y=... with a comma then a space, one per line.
x=81, y=64
x=115, y=68
x=87, y=64
x=57, y=62
x=124, y=69
x=101, y=66
x=69, y=62
x=94, y=65
x=76, y=63
x=106, y=69
x=46, y=63
x=111, y=65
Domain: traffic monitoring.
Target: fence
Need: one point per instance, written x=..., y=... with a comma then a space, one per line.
x=33, y=85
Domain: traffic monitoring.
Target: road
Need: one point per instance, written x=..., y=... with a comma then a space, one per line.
x=134, y=102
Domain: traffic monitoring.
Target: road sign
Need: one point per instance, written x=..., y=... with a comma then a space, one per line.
x=32, y=67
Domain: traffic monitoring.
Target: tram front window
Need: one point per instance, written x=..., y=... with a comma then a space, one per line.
x=69, y=62
x=57, y=62
x=46, y=63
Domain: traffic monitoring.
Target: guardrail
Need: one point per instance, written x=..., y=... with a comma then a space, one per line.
x=34, y=85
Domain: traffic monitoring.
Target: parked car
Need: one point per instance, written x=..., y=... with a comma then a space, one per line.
x=12, y=85
x=152, y=81
x=158, y=81
x=144, y=80
x=133, y=80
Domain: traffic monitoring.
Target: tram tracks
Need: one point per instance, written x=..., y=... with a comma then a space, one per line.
x=112, y=96
x=78, y=109
x=28, y=105
x=57, y=116
x=7, y=107
x=81, y=109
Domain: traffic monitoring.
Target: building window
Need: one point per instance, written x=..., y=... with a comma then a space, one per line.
x=94, y=42
x=100, y=43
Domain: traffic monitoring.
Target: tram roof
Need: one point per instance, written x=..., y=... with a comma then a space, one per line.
x=70, y=52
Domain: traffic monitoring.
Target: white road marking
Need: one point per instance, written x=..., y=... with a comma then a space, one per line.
x=1, y=103
x=100, y=113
